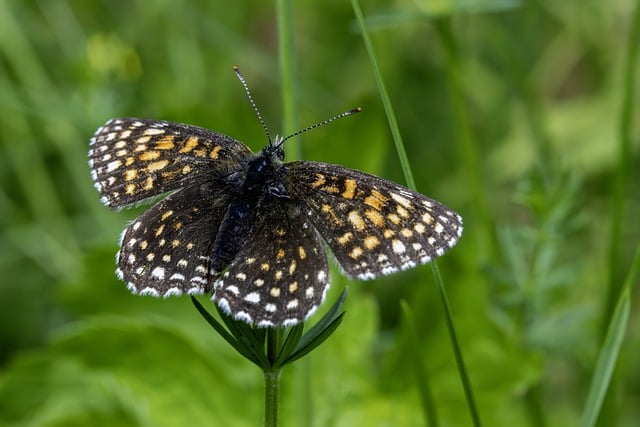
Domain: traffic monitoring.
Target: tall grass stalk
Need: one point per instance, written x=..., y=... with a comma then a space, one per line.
x=615, y=286
x=610, y=350
x=406, y=168
x=622, y=169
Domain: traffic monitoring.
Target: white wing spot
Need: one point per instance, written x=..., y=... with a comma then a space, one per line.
x=398, y=246
x=149, y=291
x=266, y=324
x=309, y=292
x=407, y=264
x=158, y=273
x=173, y=292
x=253, y=298
x=401, y=200
x=114, y=165
x=244, y=316
x=389, y=270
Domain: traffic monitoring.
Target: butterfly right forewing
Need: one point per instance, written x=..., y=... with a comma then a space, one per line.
x=373, y=226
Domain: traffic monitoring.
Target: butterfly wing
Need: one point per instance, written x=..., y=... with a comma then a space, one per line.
x=166, y=250
x=134, y=159
x=280, y=276
x=373, y=226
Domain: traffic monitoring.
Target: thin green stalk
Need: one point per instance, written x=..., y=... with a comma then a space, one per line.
x=272, y=378
x=622, y=171
x=395, y=131
x=386, y=101
x=271, y=397
x=610, y=350
x=462, y=370
x=286, y=62
x=422, y=377
x=611, y=405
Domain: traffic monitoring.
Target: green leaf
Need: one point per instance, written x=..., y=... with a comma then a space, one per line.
x=610, y=349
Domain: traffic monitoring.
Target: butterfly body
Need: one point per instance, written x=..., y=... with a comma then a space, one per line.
x=250, y=228
x=249, y=185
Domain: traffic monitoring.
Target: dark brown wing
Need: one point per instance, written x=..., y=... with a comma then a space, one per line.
x=373, y=226
x=134, y=159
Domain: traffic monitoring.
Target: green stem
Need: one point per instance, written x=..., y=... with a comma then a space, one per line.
x=457, y=352
x=384, y=96
x=622, y=171
x=271, y=397
x=286, y=63
x=272, y=377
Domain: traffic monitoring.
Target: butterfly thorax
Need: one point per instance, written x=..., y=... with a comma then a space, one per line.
x=262, y=170
x=259, y=181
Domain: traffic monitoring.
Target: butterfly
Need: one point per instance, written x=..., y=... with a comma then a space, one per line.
x=250, y=228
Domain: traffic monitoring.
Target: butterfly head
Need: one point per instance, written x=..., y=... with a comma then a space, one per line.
x=275, y=150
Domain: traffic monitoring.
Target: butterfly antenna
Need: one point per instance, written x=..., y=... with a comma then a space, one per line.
x=322, y=123
x=252, y=102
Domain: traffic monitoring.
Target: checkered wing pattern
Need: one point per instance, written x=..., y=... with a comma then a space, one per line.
x=166, y=250
x=134, y=159
x=280, y=276
x=373, y=226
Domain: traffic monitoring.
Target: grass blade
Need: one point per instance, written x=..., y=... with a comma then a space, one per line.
x=462, y=370
x=386, y=101
x=610, y=349
x=422, y=377
x=393, y=123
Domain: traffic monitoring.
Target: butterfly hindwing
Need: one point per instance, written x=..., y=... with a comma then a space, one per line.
x=167, y=250
x=373, y=226
x=135, y=159
x=280, y=275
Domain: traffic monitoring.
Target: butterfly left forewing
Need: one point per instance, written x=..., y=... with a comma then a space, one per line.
x=373, y=226
x=134, y=159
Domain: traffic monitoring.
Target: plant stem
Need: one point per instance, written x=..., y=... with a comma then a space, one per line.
x=271, y=396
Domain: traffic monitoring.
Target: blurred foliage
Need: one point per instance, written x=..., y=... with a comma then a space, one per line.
x=542, y=87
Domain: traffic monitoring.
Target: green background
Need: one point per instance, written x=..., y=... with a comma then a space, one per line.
x=511, y=113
